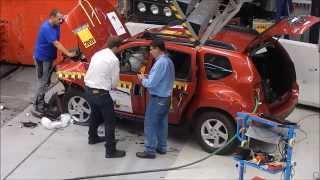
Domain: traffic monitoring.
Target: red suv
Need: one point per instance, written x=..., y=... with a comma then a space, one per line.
x=234, y=71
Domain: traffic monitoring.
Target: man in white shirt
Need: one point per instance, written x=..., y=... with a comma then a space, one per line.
x=101, y=77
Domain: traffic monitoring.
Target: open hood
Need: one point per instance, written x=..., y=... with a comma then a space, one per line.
x=93, y=22
x=289, y=26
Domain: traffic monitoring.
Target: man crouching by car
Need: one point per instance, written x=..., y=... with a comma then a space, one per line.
x=101, y=77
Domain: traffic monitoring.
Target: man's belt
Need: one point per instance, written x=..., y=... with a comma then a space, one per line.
x=97, y=91
x=158, y=96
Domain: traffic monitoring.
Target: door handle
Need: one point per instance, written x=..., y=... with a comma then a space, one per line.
x=181, y=94
x=138, y=90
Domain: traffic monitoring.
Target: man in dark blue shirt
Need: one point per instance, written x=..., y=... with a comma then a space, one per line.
x=160, y=86
x=284, y=8
x=45, y=53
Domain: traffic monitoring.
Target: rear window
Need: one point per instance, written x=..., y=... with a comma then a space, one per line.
x=216, y=66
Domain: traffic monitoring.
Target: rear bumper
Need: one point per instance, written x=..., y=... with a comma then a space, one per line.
x=284, y=109
x=281, y=108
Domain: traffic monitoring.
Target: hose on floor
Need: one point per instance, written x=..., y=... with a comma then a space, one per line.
x=157, y=170
x=167, y=169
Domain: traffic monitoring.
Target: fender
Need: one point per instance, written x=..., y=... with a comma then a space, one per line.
x=71, y=72
x=220, y=98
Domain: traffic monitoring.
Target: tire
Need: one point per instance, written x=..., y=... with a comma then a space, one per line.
x=52, y=107
x=222, y=130
x=77, y=105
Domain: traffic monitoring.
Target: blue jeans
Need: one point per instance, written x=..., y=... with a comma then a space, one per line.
x=156, y=124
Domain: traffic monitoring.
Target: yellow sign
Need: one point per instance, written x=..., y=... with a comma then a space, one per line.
x=70, y=75
x=261, y=25
x=124, y=84
x=180, y=85
x=85, y=36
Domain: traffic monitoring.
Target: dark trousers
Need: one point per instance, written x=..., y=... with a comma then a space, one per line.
x=102, y=112
x=315, y=30
x=44, y=71
x=283, y=8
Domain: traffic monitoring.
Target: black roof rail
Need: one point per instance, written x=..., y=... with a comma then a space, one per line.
x=238, y=28
x=183, y=40
x=179, y=39
x=220, y=44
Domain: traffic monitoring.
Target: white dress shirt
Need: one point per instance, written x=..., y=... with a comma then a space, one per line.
x=103, y=71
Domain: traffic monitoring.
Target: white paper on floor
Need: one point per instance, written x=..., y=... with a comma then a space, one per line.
x=65, y=120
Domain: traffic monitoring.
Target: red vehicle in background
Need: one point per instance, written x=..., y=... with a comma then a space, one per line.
x=233, y=71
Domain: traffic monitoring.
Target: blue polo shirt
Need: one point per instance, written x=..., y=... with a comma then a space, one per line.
x=44, y=48
x=161, y=77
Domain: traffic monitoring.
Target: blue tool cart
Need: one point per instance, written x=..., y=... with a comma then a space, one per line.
x=246, y=122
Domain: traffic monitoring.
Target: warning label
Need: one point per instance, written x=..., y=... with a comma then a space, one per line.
x=85, y=36
x=122, y=97
x=116, y=23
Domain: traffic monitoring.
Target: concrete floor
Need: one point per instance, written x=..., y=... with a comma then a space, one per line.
x=39, y=153
x=11, y=88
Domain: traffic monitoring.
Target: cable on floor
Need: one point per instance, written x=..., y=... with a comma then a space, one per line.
x=157, y=170
x=168, y=169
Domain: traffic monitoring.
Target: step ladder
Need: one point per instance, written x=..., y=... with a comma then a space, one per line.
x=205, y=18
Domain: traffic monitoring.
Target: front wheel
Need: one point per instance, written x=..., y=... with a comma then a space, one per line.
x=77, y=105
x=214, y=130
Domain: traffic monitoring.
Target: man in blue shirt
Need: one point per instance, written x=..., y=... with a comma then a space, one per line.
x=45, y=53
x=160, y=85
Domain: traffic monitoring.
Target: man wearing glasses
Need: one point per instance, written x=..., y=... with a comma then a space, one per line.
x=45, y=53
x=160, y=85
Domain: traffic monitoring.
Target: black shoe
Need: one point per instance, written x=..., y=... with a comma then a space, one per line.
x=145, y=155
x=39, y=109
x=96, y=140
x=161, y=152
x=36, y=113
x=116, y=154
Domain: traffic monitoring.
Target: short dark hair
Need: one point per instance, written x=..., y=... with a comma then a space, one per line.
x=114, y=41
x=159, y=43
x=54, y=12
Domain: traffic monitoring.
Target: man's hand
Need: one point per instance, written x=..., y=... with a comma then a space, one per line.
x=141, y=77
x=60, y=47
x=71, y=54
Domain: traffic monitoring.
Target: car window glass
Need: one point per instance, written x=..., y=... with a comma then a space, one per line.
x=217, y=67
x=261, y=51
x=133, y=60
x=182, y=64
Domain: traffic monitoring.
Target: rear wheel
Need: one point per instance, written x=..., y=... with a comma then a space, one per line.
x=77, y=105
x=214, y=130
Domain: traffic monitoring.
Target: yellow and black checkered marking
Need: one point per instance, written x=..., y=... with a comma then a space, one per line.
x=171, y=32
x=70, y=75
x=175, y=8
x=125, y=84
x=180, y=85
